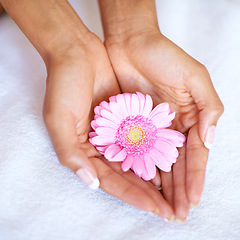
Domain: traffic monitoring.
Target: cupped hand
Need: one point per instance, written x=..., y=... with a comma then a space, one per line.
x=79, y=78
x=150, y=63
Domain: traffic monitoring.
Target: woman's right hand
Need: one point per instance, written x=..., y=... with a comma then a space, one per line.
x=80, y=76
x=78, y=79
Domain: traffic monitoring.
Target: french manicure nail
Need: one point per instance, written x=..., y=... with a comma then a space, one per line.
x=209, y=137
x=88, y=178
x=169, y=219
x=178, y=220
x=154, y=212
x=194, y=204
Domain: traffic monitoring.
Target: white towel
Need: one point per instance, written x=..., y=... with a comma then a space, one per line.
x=41, y=200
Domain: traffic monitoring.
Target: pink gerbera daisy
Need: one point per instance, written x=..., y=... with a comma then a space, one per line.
x=127, y=130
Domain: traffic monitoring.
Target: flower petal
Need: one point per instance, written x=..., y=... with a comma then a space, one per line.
x=145, y=175
x=102, y=141
x=104, y=122
x=97, y=110
x=127, y=163
x=165, y=146
x=106, y=132
x=135, y=105
x=101, y=149
x=94, y=124
x=161, y=121
x=121, y=100
x=162, y=107
x=148, y=106
x=173, y=136
x=142, y=100
x=113, y=99
x=92, y=134
x=110, y=116
x=127, y=97
x=117, y=110
x=120, y=156
x=160, y=160
x=138, y=165
x=150, y=166
x=112, y=151
x=104, y=105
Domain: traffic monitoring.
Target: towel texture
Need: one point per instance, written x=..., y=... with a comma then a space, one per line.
x=40, y=199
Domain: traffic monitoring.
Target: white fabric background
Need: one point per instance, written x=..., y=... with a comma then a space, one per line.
x=40, y=199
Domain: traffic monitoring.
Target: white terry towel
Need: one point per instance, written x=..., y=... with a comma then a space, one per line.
x=41, y=200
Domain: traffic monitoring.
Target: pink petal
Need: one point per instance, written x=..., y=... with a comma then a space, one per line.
x=94, y=124
x=138, y=165
x=101, y=149
x=173, y=136
x=106, y=132
x=121, y=101
x=110, y=116
x=160, y=160
x=96, y=116
x=119, y=157
x=127, y=97
x=148, y=106
x=162, y=107
x=117, y=110
x=113, y=99
x=142, y=100
x=112, y=151
x=127, y=163
x=150, y=166
x=145, y=175
x=104, y=122
x=97, y=110
x=165, y=146
x=104, y=105
x=134, y=105
x=161, y=122
x=92, y=134
x=101, y=141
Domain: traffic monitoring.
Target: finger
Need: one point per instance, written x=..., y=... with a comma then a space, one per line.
x=61, y=128
x=116, y=185
x=197, y=156
x=181, y=203
x=167, y=186
x=156, y=180
x=209, y=105
x=165, y=210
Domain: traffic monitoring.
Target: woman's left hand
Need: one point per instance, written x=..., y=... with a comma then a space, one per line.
x=150, y=63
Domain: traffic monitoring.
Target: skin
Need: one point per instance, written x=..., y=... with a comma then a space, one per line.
x=144, y=60
x=80, y=75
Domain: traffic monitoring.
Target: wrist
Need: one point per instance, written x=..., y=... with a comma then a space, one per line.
x=122, y=19
x=52, y=26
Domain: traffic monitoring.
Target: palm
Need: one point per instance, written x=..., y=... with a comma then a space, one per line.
x=152, y=64
x=74, y=88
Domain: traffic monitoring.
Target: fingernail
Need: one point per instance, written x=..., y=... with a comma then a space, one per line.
x=209, y=137
x=88, y=178
x=178, y=220
x=169, y=219
x=194, y=204
x=156, y=211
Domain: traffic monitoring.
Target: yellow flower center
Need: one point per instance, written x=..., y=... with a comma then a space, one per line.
x=135, y=135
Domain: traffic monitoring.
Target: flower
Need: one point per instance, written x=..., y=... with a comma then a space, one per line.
x=127, y=130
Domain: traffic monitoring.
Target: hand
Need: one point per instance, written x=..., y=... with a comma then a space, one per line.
x=148, y=62
x=78, y=80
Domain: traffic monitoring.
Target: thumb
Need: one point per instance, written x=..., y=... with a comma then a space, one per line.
x=61, y=128
x=209, y=105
